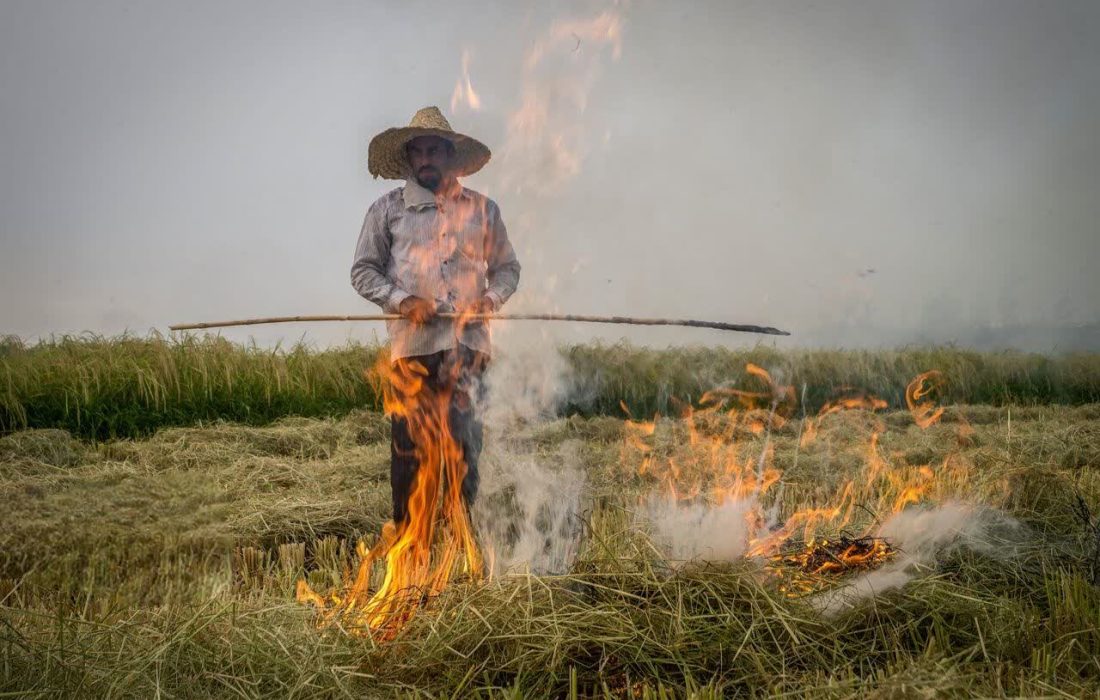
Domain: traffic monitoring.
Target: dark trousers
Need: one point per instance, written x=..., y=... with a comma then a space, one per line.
x=454, y=376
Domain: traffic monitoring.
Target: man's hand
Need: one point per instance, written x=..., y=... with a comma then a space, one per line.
x=484, y=305
x=417, y=310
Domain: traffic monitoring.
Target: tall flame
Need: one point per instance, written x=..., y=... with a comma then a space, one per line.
x=544, y=147
x=419, y=561
x=422, y=553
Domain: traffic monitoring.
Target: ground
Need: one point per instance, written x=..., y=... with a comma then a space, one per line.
x=167, y=565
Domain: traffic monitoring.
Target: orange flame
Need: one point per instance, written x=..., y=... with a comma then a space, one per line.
x=882, y=487
x=417, y=566
x=924, y=409
x=714, y=464
x=849, y=402
x=420, y=554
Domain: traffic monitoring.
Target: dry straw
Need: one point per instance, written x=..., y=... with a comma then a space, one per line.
x=179, y=579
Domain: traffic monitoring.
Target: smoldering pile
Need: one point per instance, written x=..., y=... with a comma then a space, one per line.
x=804, y=569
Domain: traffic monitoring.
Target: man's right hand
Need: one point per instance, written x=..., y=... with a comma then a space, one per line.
x=417, y=310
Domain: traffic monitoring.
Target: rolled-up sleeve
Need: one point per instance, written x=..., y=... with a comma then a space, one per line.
x=502, y=275
x=372, y=256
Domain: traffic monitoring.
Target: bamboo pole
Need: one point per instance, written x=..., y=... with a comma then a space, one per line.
x=740, y=327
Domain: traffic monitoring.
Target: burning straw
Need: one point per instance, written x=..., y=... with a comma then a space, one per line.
x=802, y=567
x=421, y=552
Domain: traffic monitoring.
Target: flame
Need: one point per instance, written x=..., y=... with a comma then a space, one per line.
x=882, y=489
x=421, y=554
x=849, y=401
x=862, y=402
x=809, y=433
x=716, y=466
x=925, y=411
x=464, y=90
x=825, y=557
x=544, y=147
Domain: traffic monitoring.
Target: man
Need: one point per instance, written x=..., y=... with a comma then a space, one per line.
x=429, y=247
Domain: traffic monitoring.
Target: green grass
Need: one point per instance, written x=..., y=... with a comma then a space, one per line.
x=646, y=380
x=127, y=387
x=166, y=566
x=100, y=388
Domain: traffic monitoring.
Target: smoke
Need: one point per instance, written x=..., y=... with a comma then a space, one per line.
x=697, y=531
x=528, y=380
x=527, y=519
x=922, y=536
x=686, y=531
x=547, y=138
x=648, y=155
x=526, y=512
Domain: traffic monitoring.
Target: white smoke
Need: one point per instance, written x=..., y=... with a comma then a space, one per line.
x=686, y=531
x=526, y=512
x=528, y=379
x=921, y=536
x=698, y=531
x=527, y=519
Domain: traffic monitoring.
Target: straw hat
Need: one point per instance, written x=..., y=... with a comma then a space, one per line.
x=386, y=155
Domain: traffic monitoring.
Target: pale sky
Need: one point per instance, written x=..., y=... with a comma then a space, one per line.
x=163, y=162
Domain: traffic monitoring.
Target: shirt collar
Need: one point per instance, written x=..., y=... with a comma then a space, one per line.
x=419, y=197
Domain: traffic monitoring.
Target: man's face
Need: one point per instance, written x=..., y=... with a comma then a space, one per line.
x=430, y=159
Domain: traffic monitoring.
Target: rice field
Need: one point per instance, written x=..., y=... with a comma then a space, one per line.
x=163, y=561
x=128, y=386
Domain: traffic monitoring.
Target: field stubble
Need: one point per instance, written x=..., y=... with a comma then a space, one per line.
x=168, y=564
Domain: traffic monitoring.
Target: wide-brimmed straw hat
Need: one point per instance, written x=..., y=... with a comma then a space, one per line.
x=386, y=156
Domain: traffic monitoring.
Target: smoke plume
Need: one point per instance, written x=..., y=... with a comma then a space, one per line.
x=686, y=531
x=922, y=535
x=526, y=512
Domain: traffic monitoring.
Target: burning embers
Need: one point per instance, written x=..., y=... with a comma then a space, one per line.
x=435, y=541
x=801, y=568
x=839, y=556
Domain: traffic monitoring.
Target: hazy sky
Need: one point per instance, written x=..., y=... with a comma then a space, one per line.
x=742, y=161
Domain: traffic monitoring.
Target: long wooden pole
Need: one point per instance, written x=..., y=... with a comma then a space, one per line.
x=741, y=327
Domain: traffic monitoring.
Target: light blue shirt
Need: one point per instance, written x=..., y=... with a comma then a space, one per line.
x=453, y=250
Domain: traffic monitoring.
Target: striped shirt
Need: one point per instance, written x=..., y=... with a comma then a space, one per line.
x=453, y=251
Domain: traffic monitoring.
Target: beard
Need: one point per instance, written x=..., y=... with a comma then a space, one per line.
x=429, y=178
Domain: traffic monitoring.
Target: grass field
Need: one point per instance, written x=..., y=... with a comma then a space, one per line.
x=166, y=565
x=127, y=387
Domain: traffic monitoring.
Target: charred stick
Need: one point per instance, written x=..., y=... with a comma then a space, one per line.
x=717, y=325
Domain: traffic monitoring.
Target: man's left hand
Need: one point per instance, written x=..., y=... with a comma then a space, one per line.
x=484, y=305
